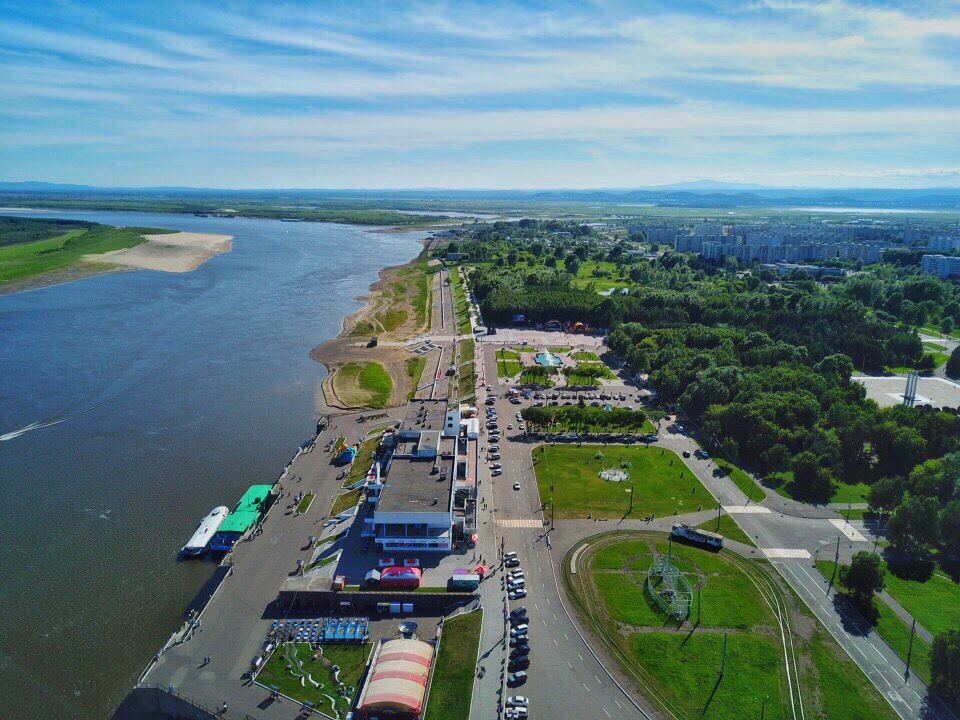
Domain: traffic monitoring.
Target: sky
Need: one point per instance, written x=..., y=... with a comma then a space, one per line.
x=457, y=94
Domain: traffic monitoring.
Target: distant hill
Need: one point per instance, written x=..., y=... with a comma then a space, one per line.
x=697, y=194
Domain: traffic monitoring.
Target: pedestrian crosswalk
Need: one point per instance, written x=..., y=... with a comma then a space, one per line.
x=519, y=523
x=746, y=509
x=796, y=553
x=848, y=530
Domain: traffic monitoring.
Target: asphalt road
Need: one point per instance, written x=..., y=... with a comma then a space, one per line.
x=565, y=680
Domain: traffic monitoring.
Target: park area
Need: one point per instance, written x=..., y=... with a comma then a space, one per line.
x=587, y=419
x=452, y=684
x=305, y=675
x=680, y=664
x=363, y=385
x=657, y=479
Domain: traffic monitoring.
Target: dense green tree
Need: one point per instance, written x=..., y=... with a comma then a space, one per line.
x=950, y=527
x=863, y=578
x=811, y=481
x=915, y=524
x=886, y=494
x=953, y=364
x=945, y=666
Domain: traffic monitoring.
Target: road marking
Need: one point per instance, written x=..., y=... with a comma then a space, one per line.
x=608, y=714
x=618, y=704
x=566, y=636
x=585, y=687
x=519, y=523
x=555, y=642
x=598, y=680
x=569, y=665
x=849, y=530
x=580, y=656
x=786, y=553
x=862, y=653
x=747, y=509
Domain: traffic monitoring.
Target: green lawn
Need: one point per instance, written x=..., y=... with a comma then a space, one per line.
x=747, y=486
x=843, y=492
x=535, y=375
x=686, y=670
x=578, y=490
x=292, y=666
x=345, y=502
x=467, y=384
x=305, y=503
x=626, y=600
x=28, y=259
x=728, y=528
x=891, y=628
x=559, y=349
x=934, y=603
x=586, y=356
x=415, y=366
x=467, y=349
x=508, y=363
x=375, y=379
x=525, y=349
x=363, y=385
x=843, y=692
x=452, y=686
x=363, y=461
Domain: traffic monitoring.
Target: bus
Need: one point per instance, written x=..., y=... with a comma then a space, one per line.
x=697, y=536
x=247, y=514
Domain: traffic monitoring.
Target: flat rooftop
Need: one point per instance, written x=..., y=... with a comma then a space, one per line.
x=411, y=485
x=425, y=415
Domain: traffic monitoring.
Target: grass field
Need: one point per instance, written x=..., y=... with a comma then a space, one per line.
x=536, y=375
x=681, y=661
x=843, y=492
x=345, y=502
x=292, y=666
x=729, y=529
x=363, y=385
x=466, y=350
x=363, y=461
x=34, y=258
x=452, y=685
x=305, y=503
x=747, y=486
x=682, y=658
x=466, y=384
x=561, y=349
x=508, y=363
x=892, y=629
x=935, y=603
x=415, y=366
x=579, y=491
x=586, y=356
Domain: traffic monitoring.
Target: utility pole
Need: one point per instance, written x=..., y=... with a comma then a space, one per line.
x=553, y=506
x=913, y=630
x=631, y=497
x=723, y=661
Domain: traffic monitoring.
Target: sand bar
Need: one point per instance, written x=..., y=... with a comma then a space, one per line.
x=176, y=252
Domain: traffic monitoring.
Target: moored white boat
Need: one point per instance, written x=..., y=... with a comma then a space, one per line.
x=205, y=530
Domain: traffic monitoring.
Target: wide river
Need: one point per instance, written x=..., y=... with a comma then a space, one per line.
x=153, y=398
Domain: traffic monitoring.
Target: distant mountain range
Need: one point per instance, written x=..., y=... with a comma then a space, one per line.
x=700, y=193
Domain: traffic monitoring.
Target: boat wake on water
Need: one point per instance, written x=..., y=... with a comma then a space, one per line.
x=57, y=419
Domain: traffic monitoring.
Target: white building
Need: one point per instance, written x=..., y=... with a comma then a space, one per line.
x=940, y=265
x=413, y=504
x=944, y=243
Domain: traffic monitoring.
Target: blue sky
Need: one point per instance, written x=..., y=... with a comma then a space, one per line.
x=492, y=95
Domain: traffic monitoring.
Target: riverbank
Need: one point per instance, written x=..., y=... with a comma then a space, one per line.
x=396, y=309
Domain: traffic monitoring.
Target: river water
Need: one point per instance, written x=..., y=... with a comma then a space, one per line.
x=130, y=405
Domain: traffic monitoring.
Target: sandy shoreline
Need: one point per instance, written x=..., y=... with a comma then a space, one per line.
x=175, y=252
x=348, y=347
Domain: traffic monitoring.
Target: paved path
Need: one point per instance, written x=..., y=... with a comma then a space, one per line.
x=235, y=622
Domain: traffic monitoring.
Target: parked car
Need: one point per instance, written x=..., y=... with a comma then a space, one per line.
x=509, y=426
x=517, y=642
x=518, y=701
x=493, y=456
x=515, y=401
x=520, y=651
x=493, y=448
x=516, y=486
x=495, y=466
x=510, y=556
x=686, y=453
x=517, y=679
x=496, y=473
x=520, y=663
x=494, y=438
x=516, y=713
x=518, y=594
x=518, y=611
